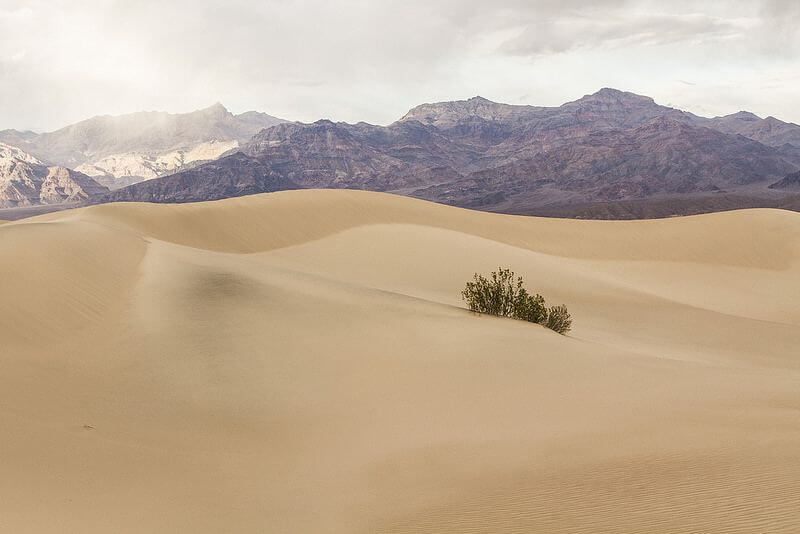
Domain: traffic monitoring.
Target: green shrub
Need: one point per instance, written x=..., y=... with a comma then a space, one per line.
x=530, y=308
x=504, y=294
x=559, y=319
x=496, y=296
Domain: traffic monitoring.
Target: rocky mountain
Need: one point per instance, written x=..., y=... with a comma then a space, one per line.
x=126, y=149
x=26, y=181
x=234, y=175
x=17, y=138
x=660, y=158
x=769, y=131
x=608, y=146
x=790, y=183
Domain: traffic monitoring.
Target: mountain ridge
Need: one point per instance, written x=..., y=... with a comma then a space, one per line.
x=26, y=181
x=609, y=145
x=118, y=150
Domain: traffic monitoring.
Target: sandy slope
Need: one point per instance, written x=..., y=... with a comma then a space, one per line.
x=299, y=362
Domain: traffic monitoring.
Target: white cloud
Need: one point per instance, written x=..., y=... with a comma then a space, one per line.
x=574, y=32
x=64, y=60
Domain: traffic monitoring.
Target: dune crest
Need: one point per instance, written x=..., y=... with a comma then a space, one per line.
x=301, y=362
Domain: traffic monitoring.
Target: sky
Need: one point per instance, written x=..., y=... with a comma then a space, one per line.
x=62, y=61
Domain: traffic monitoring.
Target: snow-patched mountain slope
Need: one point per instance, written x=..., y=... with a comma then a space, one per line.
x=26, y=181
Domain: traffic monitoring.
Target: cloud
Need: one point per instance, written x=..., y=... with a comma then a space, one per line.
x=778, y=31
x=64, y=60
x=579, y=30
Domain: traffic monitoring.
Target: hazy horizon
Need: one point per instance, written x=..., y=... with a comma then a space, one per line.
x=372, y=61
x=241, y=111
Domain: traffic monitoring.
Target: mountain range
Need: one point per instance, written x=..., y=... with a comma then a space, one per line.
x=121, y=150
x=609, y=154
x=27, y=181
x=606, y=147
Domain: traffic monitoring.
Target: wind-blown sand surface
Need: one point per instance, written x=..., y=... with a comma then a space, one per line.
x=301, y=362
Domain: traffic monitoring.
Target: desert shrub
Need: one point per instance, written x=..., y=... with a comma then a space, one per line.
x=531, y=308
x=496, y=295
x=503, y=293
x=559, y=319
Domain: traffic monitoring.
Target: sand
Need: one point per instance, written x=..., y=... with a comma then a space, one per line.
x=301, y=362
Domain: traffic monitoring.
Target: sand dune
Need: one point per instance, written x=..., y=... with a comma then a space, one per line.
x=301, y=362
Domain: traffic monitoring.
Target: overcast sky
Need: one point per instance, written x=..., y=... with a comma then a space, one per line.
x=65, y=60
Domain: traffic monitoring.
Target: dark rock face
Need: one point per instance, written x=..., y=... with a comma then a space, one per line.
x=234, y=175
x=790, y=183
x=609, y=146
x=662, y=157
